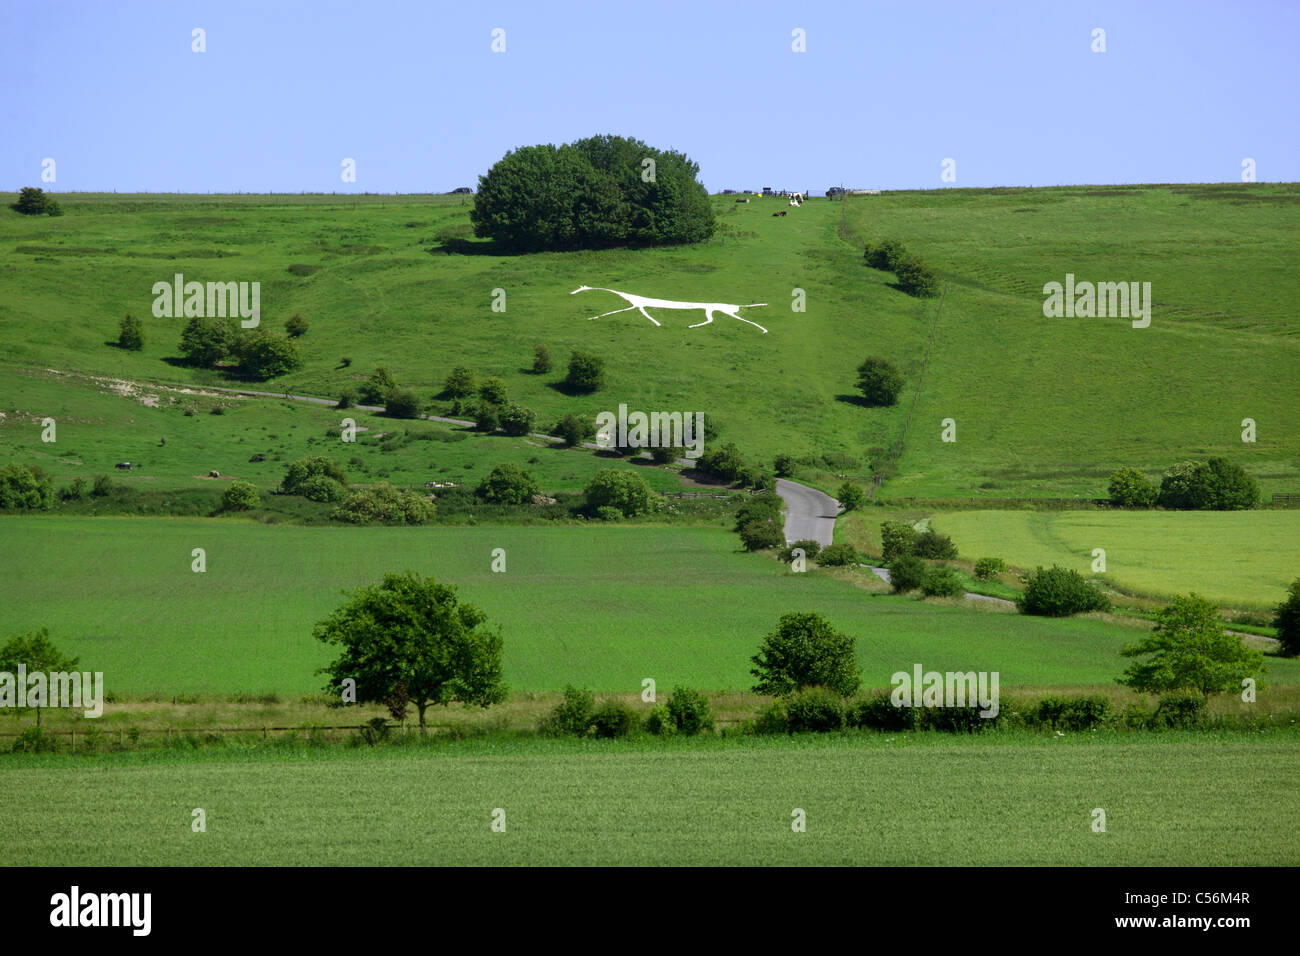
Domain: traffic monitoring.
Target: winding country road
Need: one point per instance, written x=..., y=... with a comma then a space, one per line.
x=809, y=513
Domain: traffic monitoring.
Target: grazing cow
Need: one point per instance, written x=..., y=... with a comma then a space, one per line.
x=214, y=474
x=742, y=200
x=258, y=458
x=124, y=465
x=781, y=213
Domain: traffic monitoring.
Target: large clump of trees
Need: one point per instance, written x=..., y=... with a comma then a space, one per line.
x=596, y=193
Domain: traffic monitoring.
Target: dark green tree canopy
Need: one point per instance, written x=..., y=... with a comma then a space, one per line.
x=592, y=194
x=1188, y=650
x=414, y=631
x=805, y=650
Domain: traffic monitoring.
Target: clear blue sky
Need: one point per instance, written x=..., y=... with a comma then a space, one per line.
x=413, y=92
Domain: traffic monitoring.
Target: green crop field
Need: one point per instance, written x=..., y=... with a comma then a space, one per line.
x=868, y=799
x=597, y=606
x=1240, y=558
x=1043, y=406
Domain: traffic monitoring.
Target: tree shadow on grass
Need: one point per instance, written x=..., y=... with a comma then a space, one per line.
x=460, y=246
x=564, y=388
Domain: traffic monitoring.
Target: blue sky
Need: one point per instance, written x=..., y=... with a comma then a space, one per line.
x=413, y=92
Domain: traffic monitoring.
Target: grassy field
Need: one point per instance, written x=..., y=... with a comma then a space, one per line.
x=1171, y=799
x=598, y=606
x=1239, y=558
x=1051, y=406
x=1044, y=407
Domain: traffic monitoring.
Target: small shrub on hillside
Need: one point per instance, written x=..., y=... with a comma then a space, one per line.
x=884, y=255
x=130, y=333
x=666, y=454
x=608, y=513
x=347, y=397
x=878, y=712
x=240, y=496
x=941, y=582
x=1287, y=621
x=915, y=277
x=402, y=403
x=516, y=420
x=1129, y=488
x=937, y=547
x=379, y=384
x=493, y=391
x=586, y=372
x=541, y=360
x=573, y=430
x=879, y=381
x=487, y=419
x=1179, y=710
x=264, y=354
x=838, y=556
x=690, y=711
x=897, y=538
x=572, y=716
x=814, y=710
x=1059, y=592
x=613, y=719
x=785, y=466
x=907, y=573
x=725, y=462
x=460, y=382
x=102, y=486
x=295, y=325
x=986, y=569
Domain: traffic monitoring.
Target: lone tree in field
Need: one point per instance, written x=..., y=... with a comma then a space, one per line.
x=1287, y=621
x=414, y=632
x=806, y=651
x=879, y=381
x=130, y=333
x=36, y=652
x=295, y=325
x=586, y=372
x=34, y=201
x=1190, y=651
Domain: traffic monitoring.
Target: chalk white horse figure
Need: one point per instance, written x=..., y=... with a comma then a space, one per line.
x=641, y=303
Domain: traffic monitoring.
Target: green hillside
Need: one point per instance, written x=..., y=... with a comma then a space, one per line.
x=1043, y=406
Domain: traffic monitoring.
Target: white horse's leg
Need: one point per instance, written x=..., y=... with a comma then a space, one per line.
x=646, y=314
x=603, y=314
x=708, y=317
x=754, y=324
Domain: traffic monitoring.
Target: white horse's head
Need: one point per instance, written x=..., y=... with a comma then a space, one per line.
x=581, y=288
